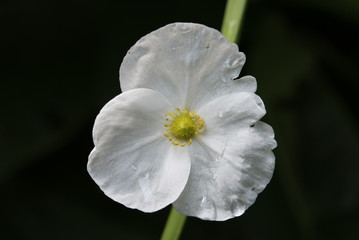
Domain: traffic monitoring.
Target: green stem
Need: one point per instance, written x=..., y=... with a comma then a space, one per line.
x=174, y=225
x=233, y=16
x=232, y=19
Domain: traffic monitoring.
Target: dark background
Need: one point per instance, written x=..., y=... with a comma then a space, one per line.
x=60, y=62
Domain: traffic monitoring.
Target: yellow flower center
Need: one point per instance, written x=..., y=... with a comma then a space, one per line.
x=182, y=125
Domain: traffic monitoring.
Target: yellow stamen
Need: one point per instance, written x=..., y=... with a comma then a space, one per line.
x=182, y=125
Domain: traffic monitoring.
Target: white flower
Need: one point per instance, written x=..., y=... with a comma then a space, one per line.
x=183, y=131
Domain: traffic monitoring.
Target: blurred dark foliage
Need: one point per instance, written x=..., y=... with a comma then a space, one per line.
x=60, y=62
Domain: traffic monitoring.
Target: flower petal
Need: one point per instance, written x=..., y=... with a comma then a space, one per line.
x=133, y=162
x=228, y=113
x=232, y=159
x=245, y=84
x=190, y=64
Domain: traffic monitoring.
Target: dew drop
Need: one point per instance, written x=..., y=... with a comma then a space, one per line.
x=235, y=63
x=144, y=183
x=223, y=78
x=204, y=201
x=214, y=176
x=217, y=91
x=173, y=48
x=220, y=114
x=133, y=167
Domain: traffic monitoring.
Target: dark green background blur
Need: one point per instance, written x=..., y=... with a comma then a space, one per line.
x=60, y=62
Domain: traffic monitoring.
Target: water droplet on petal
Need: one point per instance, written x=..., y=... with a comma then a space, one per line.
x=223, y=78
x=204, y=201
x=144, y=183
x=217, y=90
x=235, y=63
x=215, y=176
x=220, y=114
x=133, y=167
x=173, y=48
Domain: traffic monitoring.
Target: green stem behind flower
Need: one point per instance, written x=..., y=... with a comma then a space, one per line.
x=230, y=28
x=174, y=225
x=232, y=19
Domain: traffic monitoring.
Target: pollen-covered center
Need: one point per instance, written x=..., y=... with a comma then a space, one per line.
x=182, y=125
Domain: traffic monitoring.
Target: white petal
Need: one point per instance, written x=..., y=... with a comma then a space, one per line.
x=229, y=112
x=133, y=162
x=245, y=84
x=231, y=161
x=190, y=64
